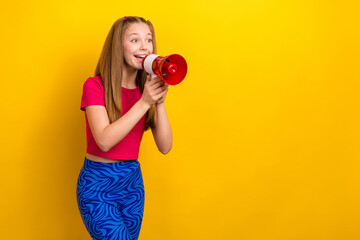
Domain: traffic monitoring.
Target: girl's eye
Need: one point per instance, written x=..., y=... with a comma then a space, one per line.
x=149, y=40
x=134, y=40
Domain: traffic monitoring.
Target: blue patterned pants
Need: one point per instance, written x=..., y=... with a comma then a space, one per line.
x=110, y=197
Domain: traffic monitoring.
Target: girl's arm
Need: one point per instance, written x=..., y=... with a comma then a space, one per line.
x=107, y=135
x=162, y=132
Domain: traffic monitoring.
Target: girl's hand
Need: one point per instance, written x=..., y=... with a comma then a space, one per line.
x=162, y=99
x=154, y=89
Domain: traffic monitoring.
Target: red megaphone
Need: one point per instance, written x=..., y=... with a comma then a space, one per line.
x=171, y=69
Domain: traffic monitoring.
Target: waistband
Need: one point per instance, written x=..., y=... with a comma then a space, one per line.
x=120, y=161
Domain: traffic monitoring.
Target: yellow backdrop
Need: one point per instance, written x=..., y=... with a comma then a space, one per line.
x=266, y=123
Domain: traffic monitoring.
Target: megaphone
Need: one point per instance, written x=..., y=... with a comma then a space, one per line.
x=171, y=69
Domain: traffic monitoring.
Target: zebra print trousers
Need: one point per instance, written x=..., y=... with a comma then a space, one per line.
x=110, y=197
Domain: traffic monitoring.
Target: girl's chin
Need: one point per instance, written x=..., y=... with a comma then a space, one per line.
x=136, y=63
x=138, y=67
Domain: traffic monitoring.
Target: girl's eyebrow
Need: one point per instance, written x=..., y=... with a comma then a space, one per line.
x=137, y=34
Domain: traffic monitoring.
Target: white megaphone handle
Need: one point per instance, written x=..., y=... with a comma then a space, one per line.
x=148, y=62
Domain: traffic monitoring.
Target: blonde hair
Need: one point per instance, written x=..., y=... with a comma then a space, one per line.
x=110, y=66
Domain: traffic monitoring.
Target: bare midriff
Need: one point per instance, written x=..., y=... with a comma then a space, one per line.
x=101, y=159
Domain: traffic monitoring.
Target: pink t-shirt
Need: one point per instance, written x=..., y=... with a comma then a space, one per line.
x=128, y=147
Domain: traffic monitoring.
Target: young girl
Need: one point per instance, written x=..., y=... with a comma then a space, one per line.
x=120, y=103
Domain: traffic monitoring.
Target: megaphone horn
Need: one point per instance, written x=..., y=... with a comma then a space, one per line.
x=171, y=69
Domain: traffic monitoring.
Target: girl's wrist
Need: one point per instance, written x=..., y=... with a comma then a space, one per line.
x=144, y=104
x=162, y=104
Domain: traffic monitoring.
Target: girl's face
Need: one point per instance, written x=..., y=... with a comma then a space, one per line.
x=137, y=44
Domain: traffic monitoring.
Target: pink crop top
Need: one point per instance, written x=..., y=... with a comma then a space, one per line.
x=128, y=147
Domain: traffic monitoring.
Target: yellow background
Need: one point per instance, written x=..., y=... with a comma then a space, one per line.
x=266, y=123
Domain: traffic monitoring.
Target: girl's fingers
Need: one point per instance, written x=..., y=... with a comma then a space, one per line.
x=157, y=85
x=158, y=91
x=156, y=82
x=161, y=94
x=162, y=88
x=157, y=88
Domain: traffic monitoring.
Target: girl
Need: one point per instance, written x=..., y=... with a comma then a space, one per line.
x=120, y=103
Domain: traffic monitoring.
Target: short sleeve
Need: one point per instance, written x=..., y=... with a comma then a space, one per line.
x=93, y=93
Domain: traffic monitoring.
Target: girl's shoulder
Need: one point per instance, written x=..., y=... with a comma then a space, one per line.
x=92, y=82
x=95, y=79
x=93, y=93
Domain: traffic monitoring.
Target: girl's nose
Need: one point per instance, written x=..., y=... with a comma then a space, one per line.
x=143, y=46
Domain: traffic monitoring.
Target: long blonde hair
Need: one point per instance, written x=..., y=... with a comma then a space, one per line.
x=110, y=66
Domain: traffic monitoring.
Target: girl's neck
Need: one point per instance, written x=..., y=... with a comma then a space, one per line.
x=129, y=78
